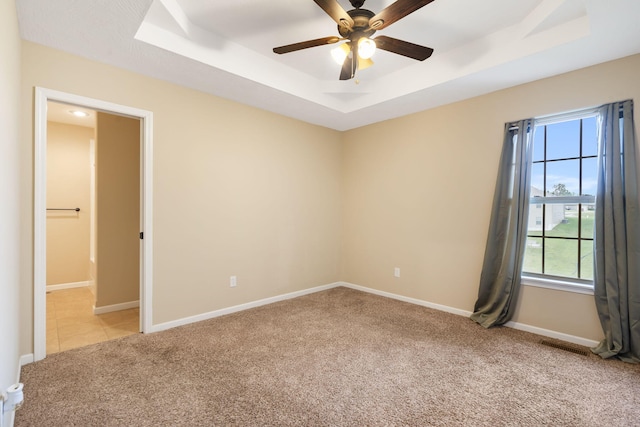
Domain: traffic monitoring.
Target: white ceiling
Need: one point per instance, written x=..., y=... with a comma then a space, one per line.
x=225, y=48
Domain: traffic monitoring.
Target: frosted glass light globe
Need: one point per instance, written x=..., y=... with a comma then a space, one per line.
x=339, y=54
x=366, y=48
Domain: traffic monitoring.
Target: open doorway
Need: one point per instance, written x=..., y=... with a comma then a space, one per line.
x=93, y=171
x=120, y=285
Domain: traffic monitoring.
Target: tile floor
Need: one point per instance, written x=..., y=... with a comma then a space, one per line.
x=71, y=322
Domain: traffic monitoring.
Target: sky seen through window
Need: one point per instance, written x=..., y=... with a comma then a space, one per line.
x=563, y=145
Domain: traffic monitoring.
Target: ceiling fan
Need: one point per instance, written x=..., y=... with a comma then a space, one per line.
x=356, y=27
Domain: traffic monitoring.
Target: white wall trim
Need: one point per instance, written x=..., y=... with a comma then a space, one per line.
x=42, y=96
x=515, y=325
x=241, y=307
x=416, y=301
x=29, y=358
x=552, y=334
x=40, y=226
x=25, y=359
x=72, y=285
x=115, y=307
x=557, y=285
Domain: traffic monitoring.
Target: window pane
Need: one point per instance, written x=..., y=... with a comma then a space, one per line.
x=561, y=257
x=586, y=259
x=533, y=255
x=538, y=143
x=563, y=178
x=537, y=180
x=589, y=176
x=561, y=220
x=588, y=215
x=534, y=227
x=563, y=140
x=560, y=231
x=589, y=137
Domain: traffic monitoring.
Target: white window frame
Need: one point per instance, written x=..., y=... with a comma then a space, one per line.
x=544, y=280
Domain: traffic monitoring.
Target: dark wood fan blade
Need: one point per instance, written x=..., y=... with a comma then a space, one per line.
x=336, y=12
x=401, y=47
x=305, y=45
x=348, y=70
x=395, y=11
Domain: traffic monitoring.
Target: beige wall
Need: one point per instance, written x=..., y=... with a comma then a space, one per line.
x=118, y=204
x=418, y=193
x=68, y=177
x=237, y=191
x=285, y=205
x=10, y=166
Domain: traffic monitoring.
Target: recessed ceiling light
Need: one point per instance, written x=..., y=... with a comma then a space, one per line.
x=79, y=113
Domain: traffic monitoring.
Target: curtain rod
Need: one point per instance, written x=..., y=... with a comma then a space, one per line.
x=564, y=117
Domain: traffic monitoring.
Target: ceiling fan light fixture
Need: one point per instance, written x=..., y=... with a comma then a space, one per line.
x=356, y=26
x=366, y=48
x=340, y=53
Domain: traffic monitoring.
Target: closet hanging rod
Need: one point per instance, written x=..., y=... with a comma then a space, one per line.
x=64, y=209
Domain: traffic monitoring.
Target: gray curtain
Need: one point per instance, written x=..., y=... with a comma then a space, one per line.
x=504, y=253
x=617, y=235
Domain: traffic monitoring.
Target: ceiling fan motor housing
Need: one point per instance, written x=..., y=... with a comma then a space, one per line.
x=360, y=27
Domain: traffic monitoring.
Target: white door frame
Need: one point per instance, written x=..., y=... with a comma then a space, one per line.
x=42, y=96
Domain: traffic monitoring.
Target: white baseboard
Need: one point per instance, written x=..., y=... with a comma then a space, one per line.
x=416, y=301
x=515, y=325
x=116, y=307
x=223, y=311
x=25, y=359
x=552, y=334
x=68, y=286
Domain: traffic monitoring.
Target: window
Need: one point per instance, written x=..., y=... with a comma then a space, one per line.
x=561, y=210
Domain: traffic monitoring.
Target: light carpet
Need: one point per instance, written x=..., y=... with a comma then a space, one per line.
x=334, y=358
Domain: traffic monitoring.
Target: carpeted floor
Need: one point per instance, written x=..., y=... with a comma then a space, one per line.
x=334, y=358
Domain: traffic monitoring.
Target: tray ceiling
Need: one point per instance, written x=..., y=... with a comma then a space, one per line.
x=225, y=48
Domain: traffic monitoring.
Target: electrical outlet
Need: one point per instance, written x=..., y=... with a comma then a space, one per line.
x=233, y=281
x=396, y=272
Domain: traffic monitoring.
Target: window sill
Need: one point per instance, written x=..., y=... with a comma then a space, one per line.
x=558, y=285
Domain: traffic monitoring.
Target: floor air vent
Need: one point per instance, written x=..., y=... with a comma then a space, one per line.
x=565, y=347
